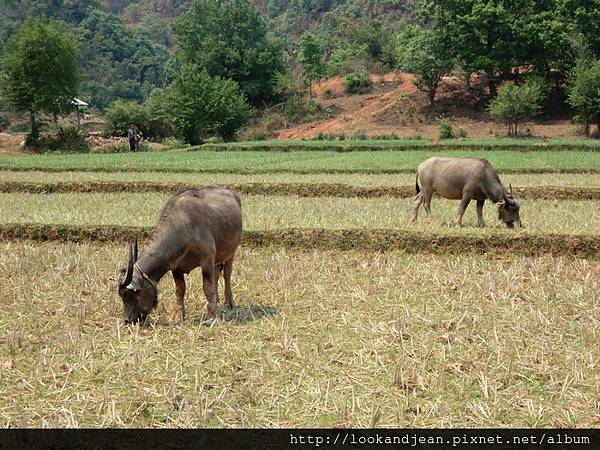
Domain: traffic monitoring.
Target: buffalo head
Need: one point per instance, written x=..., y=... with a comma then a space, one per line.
x=137, y=291
x=508, y=209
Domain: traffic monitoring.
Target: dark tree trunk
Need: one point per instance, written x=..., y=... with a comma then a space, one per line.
x=35, y=129
x=586, y=128
x=492, y=86
x=431, y=94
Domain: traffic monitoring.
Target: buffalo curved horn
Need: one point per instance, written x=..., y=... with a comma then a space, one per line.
x=510, y=191
x=135, y=250
x=129, y=273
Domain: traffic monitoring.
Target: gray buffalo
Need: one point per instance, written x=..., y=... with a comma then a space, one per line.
x=196, y=228
x=464, y=179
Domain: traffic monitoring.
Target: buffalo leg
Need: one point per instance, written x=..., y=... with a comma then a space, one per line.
x=179, y=311
x=418, y=202
x=427, y=203
x=209, y=282
x=464, y=202
x=480, y=221
x=227, y=269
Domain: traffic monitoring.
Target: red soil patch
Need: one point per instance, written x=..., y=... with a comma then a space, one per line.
x=396, y=106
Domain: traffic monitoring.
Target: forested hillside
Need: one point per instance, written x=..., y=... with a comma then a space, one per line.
x=127, y=46
x=202, y=69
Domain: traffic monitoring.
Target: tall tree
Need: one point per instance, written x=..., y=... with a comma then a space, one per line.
x=230, y=40
x=41, y=71
x=425, y=54
x=311, y=54
x=480, y=33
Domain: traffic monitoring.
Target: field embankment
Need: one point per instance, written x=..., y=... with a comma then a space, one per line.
x=280, y=189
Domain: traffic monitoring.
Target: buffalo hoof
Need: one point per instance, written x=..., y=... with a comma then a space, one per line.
x=210, y=322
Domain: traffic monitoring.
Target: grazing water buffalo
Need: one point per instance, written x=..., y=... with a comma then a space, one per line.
x=197, y=227
x=464, y=179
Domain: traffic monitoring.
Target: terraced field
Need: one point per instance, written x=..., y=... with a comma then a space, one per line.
x=347, y=313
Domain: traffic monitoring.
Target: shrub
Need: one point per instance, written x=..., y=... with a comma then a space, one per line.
x=68, y=139
x=462, y=133
x=358, y=82
x=515, y=104
x=329, y=93
x=121, y=113
x=19, y=127
x=298, y=109
x=198, y=106
x=4, y=122
x=583, y=89
x=446, y=131
x=313, y=107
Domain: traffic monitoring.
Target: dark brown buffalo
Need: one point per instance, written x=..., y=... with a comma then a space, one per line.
x=196, y=228
x=464, y=179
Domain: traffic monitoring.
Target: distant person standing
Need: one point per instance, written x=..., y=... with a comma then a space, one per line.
x=132, y=135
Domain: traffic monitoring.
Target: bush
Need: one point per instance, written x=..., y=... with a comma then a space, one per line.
x=4, y=122
x=121, y=113
x=583, y=90
x=446, y=131
x=19, y=127
x=198, y=106
x=462, y=133
x=358, y=82
x=298, y=109
x=68, y=139
x=329, y=93
x=515, y=104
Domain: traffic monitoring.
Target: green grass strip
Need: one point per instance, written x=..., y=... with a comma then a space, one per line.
x=301, y=162
x=523, y=145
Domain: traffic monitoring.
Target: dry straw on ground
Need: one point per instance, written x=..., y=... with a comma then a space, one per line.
x=318, y=339
x=281, y=212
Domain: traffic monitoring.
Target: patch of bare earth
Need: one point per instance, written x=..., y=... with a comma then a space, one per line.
x=396, y=106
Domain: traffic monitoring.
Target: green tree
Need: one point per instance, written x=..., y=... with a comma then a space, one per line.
x=230, y=40
x=379, y=43
x=198, y=106
x=583, y=90
x=583, y=17
x=40, y=71
x=479, y=33
x=119, y=62
x=425, y=54
x=311, y=54
x=121, y=113
x=515, y=104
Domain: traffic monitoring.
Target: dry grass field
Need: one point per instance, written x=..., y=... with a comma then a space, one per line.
x=317, y=339
x=278, y=212
x=348, y=315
